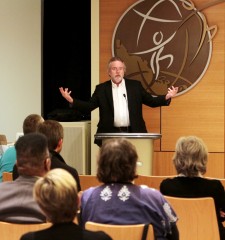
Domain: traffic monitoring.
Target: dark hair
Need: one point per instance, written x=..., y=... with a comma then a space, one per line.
x=117, y=161
x=31, y=123
x=53, y=130
x=31, y=152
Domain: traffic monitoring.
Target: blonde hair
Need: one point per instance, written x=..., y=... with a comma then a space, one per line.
x=56, y=194
x=191, y=156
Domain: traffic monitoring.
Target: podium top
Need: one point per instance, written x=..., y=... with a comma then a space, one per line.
x=128, y=135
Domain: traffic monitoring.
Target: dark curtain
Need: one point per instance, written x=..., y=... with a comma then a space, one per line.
x=66, y=55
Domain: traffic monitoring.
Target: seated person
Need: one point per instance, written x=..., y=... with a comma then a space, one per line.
x=56, y=194
x=119, y=201
x=190, y=160
x=8, y=159
x=17, y=204
x=53, y=130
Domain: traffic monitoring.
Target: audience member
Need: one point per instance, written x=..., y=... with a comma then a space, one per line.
x=8, y=159
x=16, y=199
x=59, y=185
x=119, y=201
x=190, y=160
x=53, y=130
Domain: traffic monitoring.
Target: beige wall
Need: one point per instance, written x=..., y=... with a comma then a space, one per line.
x=20, y=63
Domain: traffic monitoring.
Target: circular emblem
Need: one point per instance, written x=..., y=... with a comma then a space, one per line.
x=163, y=43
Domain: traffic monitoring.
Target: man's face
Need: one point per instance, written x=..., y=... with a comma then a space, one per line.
x=116, y=71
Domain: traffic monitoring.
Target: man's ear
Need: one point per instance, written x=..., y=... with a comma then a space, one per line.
x=59, y=146
x=47, y=164
x=60, y=142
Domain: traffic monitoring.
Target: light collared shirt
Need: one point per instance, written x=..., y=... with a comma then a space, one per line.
x=120, y=103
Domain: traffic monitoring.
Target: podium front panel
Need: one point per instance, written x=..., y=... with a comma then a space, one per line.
x=144, y=143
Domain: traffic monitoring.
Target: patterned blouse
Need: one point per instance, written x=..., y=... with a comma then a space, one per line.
x=127, y=203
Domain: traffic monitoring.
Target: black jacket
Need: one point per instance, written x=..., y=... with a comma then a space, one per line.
x=65, y=231
x=57, y=161
x=102, y=98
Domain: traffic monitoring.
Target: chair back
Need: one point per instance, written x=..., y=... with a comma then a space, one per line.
x=7, y=176
x=3, y=144
x=151, y=181
x=13, y=231
x=197, y=218
x=122, y=232
x=3, y=139
x=87, y=181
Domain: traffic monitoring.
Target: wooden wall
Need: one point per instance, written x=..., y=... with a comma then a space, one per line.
x=199, y=111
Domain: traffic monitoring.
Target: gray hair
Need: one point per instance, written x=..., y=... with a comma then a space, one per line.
x=191, y=156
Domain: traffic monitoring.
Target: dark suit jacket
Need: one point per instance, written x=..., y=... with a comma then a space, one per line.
x=65, y=231
x=197, y=187
x=102, y=98
x=57, y=161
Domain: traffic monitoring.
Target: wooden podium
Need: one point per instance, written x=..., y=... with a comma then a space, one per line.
x=144, y=143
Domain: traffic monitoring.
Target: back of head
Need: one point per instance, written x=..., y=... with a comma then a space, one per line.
x=53, y=130
x=31, y=123
x=56, y=194
x=32, y=154
x=117, y=161
x=191, y=155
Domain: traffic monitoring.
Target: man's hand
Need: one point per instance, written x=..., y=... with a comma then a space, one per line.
x=171, y=92
x=222, y=214
x=66, y=94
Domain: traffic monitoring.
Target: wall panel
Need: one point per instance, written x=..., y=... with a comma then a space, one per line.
x=199, y=111
x=163, y=165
